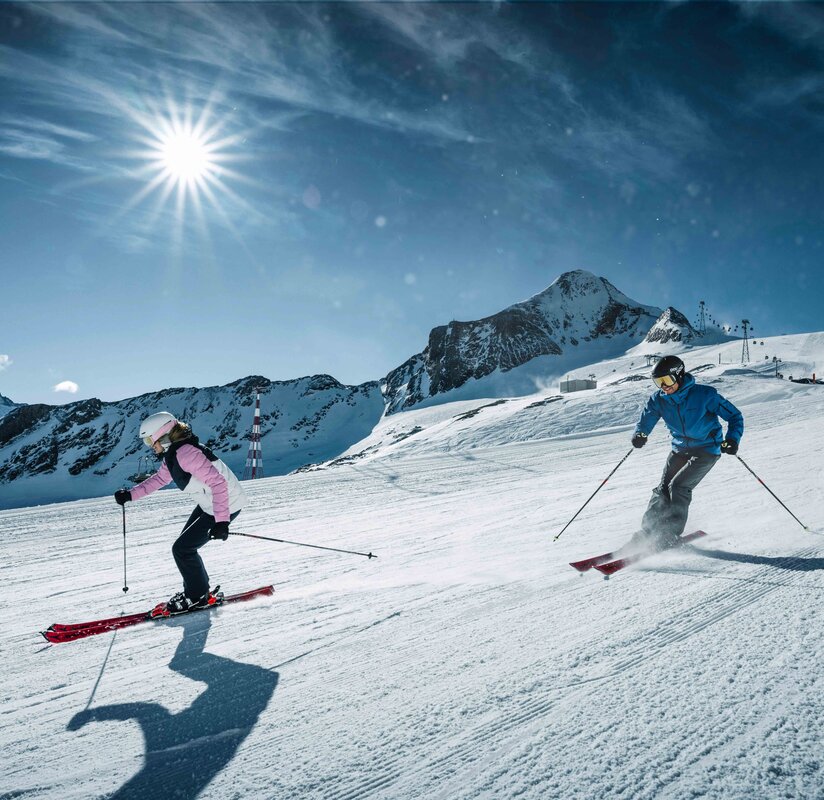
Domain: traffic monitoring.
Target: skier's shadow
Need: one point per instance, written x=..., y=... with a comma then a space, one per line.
x=184, y=751
x=791, y=563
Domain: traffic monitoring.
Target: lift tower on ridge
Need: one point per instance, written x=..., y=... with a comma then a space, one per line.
x=254, y=459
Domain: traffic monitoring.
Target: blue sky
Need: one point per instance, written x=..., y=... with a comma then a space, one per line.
x=192, y=193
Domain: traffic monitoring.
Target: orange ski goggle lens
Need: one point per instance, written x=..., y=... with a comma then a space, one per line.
x=665, y=381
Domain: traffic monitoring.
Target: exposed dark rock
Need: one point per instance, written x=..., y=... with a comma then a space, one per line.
x=672, y=326
x=21, y=420
x=475, y=411
x=576, y=309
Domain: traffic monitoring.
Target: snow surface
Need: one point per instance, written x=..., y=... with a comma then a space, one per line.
x=467, y=661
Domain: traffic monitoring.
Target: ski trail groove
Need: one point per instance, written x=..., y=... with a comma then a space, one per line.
x=499, y=735
x=727, y=602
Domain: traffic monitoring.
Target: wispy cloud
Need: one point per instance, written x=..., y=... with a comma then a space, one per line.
x=44, y=126
x=799, y=93
x=649, y=139
x=801, y=26
x=647, y=132
x=800, y=23
x=448, y=35
x=258, y=71
x=5, y=361
x=458, y=81
x=294, y=57
x=20, y=142
x=66, y=386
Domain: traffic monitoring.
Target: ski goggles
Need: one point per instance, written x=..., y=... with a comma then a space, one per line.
x=161, y=435
x=664, y=382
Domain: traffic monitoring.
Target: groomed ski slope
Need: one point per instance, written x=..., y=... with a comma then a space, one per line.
x=468, y=661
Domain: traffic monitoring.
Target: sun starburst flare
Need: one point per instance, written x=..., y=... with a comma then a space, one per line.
x=186, y=157
x=185, y=160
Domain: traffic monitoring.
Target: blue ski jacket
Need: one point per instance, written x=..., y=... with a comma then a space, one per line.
x=691, y=414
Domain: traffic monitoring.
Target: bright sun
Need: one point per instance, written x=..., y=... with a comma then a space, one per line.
x=185, y=156
x=186, y=159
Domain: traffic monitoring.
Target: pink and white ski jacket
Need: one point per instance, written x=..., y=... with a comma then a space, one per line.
x=213, y=486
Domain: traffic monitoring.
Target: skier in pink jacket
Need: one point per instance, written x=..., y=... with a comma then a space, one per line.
x=197, y=471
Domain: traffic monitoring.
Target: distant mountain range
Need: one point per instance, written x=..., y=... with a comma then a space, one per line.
x=89, y=448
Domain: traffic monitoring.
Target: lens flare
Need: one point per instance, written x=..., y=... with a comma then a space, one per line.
x=184, y=158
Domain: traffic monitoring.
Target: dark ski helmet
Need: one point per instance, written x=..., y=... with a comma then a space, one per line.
x=668, y=371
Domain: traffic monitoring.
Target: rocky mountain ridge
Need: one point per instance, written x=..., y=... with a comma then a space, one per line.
x=88, y=448
x=562, y=321
x=672, y=326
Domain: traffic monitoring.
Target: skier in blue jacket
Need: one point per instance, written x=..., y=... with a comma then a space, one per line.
x=691, y=411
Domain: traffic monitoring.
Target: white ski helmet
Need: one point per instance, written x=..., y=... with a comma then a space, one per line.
x=155, y=427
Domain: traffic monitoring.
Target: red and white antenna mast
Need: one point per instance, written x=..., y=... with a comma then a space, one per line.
x=254, y=459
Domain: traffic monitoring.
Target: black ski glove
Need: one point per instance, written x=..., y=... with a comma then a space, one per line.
x=220, y=530
x=729, y=446
x=639, y=440
x=122, y=496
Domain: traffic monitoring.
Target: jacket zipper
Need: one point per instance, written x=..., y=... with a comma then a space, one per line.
x=683, y=424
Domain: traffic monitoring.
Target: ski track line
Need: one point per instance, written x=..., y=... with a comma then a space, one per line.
x=393, y=768
x=535, y=709
x=692, y=621
x=713, y=762
x=468, y=752
x=574, y=693
x=663, y=641
x=421, y=604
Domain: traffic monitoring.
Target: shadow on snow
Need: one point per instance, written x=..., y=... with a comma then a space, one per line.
x=184, y=751
x=792, y=563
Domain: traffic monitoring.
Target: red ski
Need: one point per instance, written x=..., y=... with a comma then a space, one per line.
x=611, y=567
x=58, y=633
x=588, y=563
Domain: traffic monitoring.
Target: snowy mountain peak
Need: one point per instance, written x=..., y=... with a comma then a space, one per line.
x=578, y=283
x=6, y=405
x=577, y=309
x=586, y=298
x=672, y=326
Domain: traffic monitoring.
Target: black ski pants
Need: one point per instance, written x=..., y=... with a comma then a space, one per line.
x=194, y=535
x=666, y=514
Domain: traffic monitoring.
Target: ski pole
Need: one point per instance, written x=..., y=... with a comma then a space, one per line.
x=125, y=585
x=594, y=493
x=771, y=492
x=302, y=544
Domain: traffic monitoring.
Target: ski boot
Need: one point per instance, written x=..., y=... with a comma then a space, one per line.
x=181, y=604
